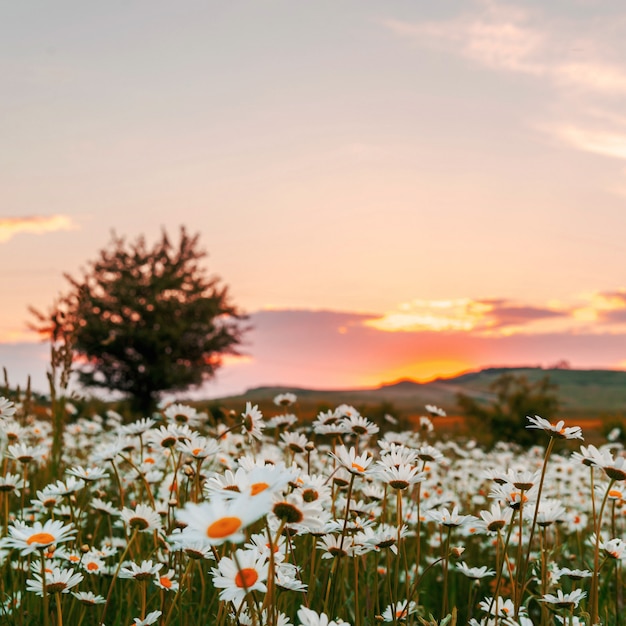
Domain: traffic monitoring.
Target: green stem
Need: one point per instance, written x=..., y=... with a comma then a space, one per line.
x=115, y=575
x=44, y=589
x=522, y=580
x=593, y=593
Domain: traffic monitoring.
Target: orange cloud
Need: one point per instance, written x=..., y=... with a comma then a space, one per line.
x=36, y=224
x=494, y=316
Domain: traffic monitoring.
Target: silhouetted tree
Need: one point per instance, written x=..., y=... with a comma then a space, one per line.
x=145, y=320
x=515, y=397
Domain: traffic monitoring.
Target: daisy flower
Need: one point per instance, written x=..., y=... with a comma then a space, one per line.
x=558, y=430
x=564, y=600
x=183, y=414
x=285, y=399
x=429, y=454
x=614, y=548
x=145, y=571
x=67, y=488
x=298, y=514
x=496, y=518
x=385, y=536
x=27, y=539
x=521, y=479
x=450, y=519
x=359, y=425
x=148, y=620
x=221, y=520
x=194, y=549
x=245, y=572
x=167, y=436
x=336, y=546
x=592, y=456
x=58, y=580
x=252, y=424
x=393, y=454
x=89, y=474
x=399, y=611
x=199, y=447
x=287, y=577
x=144, y=518
x=12, y=430
x=286, y=419
x=308, y=617
x=475, y=573
x=296, y=442
x=435, y=411
x=572, y=574
x=355, y=463
x=139, y=427
x=550, y=511
x=88, y=597
x=498, y=606
x=7, y=408
x=615, y=468
x=11, y=483
x=400, y=477
x=25, y=453
x=166, y=581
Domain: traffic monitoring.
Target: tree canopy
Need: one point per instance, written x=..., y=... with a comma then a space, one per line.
x=143, y=320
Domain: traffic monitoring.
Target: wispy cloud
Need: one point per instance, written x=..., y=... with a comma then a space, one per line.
x=497, y=37
x=511, y=38
x=579, y=59
x=607, y=143
x=35, y=224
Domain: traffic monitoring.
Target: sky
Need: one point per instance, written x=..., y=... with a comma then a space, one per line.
x=399, y=189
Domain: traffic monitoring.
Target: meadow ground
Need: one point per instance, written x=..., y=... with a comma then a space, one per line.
x=267, y=518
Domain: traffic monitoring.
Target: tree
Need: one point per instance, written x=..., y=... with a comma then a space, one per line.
x=515, y=397
x=145, y=320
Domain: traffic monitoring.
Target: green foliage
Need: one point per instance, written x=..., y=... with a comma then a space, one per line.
x=146, y=320
x=514, y=397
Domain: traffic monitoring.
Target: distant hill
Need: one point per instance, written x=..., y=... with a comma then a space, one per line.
x=582, y=393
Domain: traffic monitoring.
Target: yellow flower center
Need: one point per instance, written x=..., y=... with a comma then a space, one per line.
x=223, y=527
x=258, y=488
x=41, y=538
x=246, y=577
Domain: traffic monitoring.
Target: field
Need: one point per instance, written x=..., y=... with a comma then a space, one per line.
x=250, y=516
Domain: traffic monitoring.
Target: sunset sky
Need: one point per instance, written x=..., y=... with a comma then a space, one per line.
x=391, y=189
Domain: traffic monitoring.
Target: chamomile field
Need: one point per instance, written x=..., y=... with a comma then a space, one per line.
x=264, y=519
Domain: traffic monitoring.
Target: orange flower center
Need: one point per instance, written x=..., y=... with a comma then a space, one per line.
x=42, y=538
x=615, y=493
x=165, y=581
x=223, y=527
x=246, y=577
x=358, y=467
x=91, y=566
x=258, y=488
x=196, y=451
